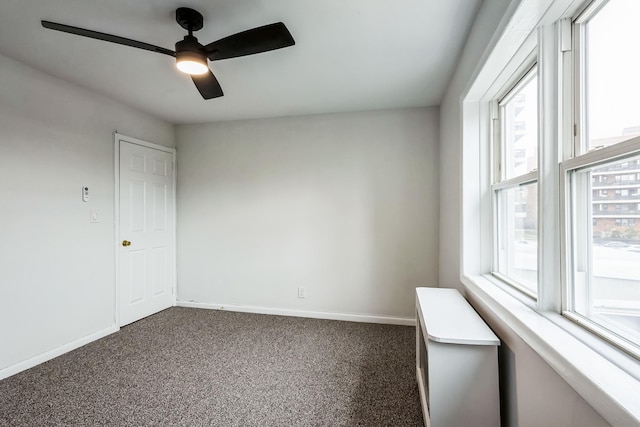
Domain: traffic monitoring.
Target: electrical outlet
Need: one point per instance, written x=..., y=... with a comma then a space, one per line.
x=301, y=292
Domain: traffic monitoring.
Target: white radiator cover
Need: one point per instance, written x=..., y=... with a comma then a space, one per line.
x=456, y=362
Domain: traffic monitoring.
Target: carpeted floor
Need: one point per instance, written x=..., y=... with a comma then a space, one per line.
x=191, y=367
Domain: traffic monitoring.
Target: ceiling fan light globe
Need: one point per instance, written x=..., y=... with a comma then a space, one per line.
x=192, y=67
x=191, y=62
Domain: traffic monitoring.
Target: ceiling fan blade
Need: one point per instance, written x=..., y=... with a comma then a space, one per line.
x=256, y=40
x=207, y=85
x=106, y=37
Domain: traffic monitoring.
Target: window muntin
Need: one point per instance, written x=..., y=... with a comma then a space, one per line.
x=515, y=187
x=602, y=287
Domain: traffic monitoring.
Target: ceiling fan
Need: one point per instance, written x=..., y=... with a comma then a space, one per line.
x=191, y=56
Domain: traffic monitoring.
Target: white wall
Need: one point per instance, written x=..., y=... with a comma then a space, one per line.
x=532, y=393
x=345, y=205
x=57, y=269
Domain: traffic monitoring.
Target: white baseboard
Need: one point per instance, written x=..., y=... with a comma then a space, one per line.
x=301, y=313
x=51, y=354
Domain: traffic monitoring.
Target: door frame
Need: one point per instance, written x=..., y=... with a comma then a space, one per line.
x=118, y=137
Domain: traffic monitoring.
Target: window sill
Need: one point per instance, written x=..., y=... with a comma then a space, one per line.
x=602, y=375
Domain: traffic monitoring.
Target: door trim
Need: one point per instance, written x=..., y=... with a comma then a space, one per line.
x=117, y=138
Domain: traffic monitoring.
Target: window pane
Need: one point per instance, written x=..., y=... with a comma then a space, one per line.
x=612, y=84
x=520, y=129
x=607, y=246
x=518, y=235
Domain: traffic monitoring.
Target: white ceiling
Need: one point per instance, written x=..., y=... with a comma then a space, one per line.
x=350, y=55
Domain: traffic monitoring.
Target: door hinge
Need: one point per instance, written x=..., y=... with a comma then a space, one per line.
x=575, y=129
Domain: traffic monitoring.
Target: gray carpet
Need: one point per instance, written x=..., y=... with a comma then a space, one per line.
x=191, y=367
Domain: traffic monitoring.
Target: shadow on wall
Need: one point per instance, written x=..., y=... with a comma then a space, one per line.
x=508, y=386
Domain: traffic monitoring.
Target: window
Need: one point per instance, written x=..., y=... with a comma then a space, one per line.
x=581, y=326
x=599, y=183
x=625, y=222
x=515, y=185
x=603, y=281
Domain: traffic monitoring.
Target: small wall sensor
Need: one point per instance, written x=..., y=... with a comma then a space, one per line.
x=85, y=194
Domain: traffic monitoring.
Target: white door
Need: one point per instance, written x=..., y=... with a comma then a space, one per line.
x=146, y=232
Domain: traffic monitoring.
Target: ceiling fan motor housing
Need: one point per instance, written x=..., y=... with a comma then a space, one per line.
x=190, y=49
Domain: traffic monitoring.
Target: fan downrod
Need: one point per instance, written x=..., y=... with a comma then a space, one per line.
x=189, y=19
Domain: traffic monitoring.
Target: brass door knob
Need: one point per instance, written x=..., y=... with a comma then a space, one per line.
x=126, y=243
